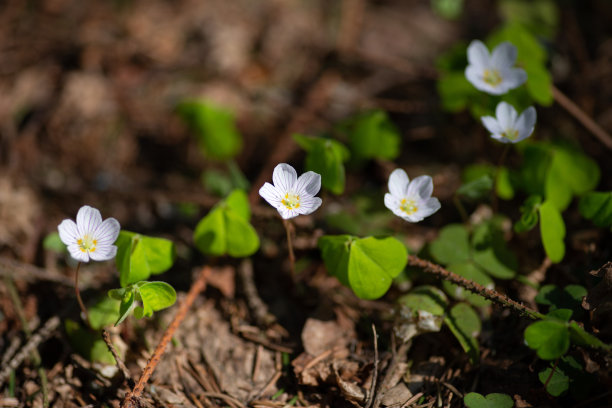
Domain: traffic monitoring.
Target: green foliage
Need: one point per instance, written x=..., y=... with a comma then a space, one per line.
x=540, y=17
x=494, y=400
x=478, y=182
x=549, y=337
x=465, y=324
x=366, y=265
x=53, y=242
x=364, y=216
x=477, y=256
x=226, y=229
x=570, y=297
x=103, y=313
x=597, y=207
x=139, y=256
x=214, y=128
x=529, y=214
x=372, y=135
x=326, y=157
x=87, y=343
x=143, y=298
x=569, y=375
x=450, y=9
x=552, y=231
x=427, y=298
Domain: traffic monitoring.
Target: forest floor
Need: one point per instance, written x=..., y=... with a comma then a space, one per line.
x=88, y=92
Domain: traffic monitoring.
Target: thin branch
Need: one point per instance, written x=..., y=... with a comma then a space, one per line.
x=370, y=398
x=132, y=398
x=120, y=364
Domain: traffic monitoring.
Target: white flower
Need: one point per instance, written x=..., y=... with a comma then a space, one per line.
x=291, y=195
x=493, y=73
x=89, y=237
x=508, y=126
x=411, y=200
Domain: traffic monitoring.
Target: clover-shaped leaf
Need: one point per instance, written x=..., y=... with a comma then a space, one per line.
x=154, y=296
x=372, y=135
x=452, y=245
x=494, y=400
x=226, y=228
x=465, y=324
x=550, y=338
x=325, y=157
x=366, y=265
x=427, y=298
x=597, y=207
x=552, y=230
x=140, y=256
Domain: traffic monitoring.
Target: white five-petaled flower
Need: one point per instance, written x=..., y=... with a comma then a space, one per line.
x=89, y=237
x=411, y=201
x=508, y=126
x=291, y=195
x=493, y=73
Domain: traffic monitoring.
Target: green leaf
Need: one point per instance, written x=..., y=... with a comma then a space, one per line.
x=427, y=298
x=87, y=343
x=495, y=400
x=540, y=17
x=335, y=250
x=558, y=383
x=53, y=242
x=503, y=186
x=103, y=313
x=226, y=229
x=455, y=91
x=476, y=189
x=550, y=338
x=552, y=230
x=465, y=324
x=582, y=338
x=128, y=303
x=214, y=128
x=373, y=136
x=156, y=296
x=597, y=207
x=140, y=256
x=570, y=297
x=452, y=245
x=568, y=374
x=373, y=263
x=326, y=157
x=491, y=253
x=560, y=314
x=450, y=9
x=472, y=272
x=529, y=214
x=366, y=265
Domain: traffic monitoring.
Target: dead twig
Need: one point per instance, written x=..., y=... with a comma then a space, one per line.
x=384, y=386
x=30, y=273
x=120, y=364
x=132, y=398
x=260, y=310
x=586, y=121
x=370, y=398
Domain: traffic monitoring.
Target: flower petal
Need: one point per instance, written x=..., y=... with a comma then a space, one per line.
x=286, y=213
x=491, y=124
x=526, y=123
x=309, y=183
x=393, y=203
x=107, y=232
x=506, y=115
x=478, y=54
x=513, y=78
x=88, y=220
x=309, y=205
x=76, y=252
x=474, y=75
x=271, y=194
x=284, y=177
x=504, y=55
x=398, y=183
x=103, y=252
x=429, y=206
x=68, y=232
x=420, y=187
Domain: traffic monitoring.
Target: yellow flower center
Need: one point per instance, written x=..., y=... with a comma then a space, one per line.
x=408, y=206
x=291, y=201
x=87, y=244
x=511, y=134
x=492, y=77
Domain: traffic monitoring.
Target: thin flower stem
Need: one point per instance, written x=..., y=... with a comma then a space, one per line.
x=78, y=295
x=472, y=286
x=502, y=159
x=289, y=229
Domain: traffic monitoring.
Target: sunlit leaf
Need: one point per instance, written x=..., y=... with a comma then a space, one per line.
x=552, y=230
x=140, y=256
x=495, y=400
x=550, y=338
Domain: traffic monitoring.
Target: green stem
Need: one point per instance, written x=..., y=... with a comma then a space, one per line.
x=500, y=163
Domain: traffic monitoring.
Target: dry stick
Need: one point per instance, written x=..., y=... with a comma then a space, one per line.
x=35, y=355
x=260, y=310
x=472, y=286
x=36, y=339
x=120, y=364
x=78, y=295
x=569, y=105
x=384, y=385
x=370, y=398
x=131, y=399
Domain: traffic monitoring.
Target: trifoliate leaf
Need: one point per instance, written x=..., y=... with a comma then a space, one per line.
x=103, y=313
x=326, y=157
x=87, y=343
x=597, y=207
x=570, y=297
x=373, y=136
x=452, y=245
x=335, y=251
x=491, y=253
x=140, y=256
x=156, y=296
x=427, y=298
x=494, y=400
x=550, y=338
x=472, y=272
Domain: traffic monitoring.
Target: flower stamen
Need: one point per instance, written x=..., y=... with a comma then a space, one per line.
x=492, y=77
x=408, y=206
x=291, y=201
x=511, y=134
